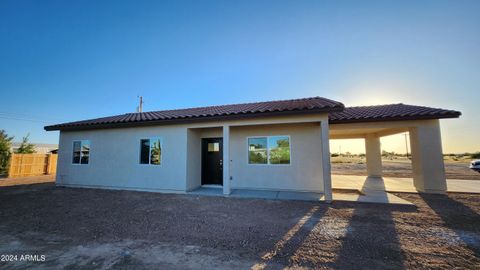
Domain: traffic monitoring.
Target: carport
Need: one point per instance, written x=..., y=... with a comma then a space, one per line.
x=423, y=126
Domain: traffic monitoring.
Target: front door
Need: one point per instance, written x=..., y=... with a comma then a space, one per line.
x=212, y=161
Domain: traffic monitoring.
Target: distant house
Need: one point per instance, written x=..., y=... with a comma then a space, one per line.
x=40, y=148
x=276, y=145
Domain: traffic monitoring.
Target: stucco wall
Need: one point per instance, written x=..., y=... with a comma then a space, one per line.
x=304, y=173
x=114, y=159
x=114, y=156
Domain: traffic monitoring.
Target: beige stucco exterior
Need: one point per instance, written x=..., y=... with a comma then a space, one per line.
x=114, y=156
x=373, y=154
x=425, y=143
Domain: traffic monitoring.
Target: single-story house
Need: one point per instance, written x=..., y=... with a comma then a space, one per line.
x=275, y=145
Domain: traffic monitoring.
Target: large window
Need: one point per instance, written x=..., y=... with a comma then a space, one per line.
x=269, y=150
x=151, y=151
x=81, y=152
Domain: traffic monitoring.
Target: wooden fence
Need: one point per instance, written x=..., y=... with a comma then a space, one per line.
x=32, y=164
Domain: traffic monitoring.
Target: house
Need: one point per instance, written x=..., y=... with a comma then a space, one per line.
x=40, y=148
x=276, y=145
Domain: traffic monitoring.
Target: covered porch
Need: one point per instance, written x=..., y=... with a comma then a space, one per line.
x=425, y=143
x=306, y=175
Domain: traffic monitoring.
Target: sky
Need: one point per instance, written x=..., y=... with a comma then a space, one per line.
x=73, y=60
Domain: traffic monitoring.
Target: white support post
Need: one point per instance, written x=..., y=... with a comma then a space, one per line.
x=373, y=153
x=226, y=160
x=427, y=157
x=327, y=175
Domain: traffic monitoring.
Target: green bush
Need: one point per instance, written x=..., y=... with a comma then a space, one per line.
x=5, y=144
x=475, y=155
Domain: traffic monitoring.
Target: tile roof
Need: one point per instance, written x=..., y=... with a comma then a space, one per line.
x=269, y=108
x=338, y=114
x=389, y=112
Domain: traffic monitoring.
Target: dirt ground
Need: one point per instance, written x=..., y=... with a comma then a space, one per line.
x=400, y=168
x=88, y=228
x=5, y=182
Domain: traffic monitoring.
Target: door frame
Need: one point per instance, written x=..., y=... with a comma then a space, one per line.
x=204, y=145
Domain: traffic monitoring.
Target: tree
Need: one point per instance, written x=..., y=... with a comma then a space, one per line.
x=26, y=147
x=5, y=145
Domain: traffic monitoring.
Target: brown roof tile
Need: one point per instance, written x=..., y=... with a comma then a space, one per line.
x=338, y=114
x=281, y=107
x=389, y=112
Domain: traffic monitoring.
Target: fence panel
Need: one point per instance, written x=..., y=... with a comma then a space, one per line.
x=32, y=164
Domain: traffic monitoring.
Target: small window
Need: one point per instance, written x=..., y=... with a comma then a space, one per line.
x=213, y=147
x=269, y=150
x=81, y=152
x=151, y=151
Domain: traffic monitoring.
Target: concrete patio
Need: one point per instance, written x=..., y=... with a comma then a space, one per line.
x=340, y=194
x=391, y=184
x=370, y=190
x=260, y=194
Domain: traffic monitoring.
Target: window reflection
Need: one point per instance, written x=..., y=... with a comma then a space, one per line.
x=257, y=150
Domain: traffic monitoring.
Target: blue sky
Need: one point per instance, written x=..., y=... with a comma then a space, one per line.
x=72, y=60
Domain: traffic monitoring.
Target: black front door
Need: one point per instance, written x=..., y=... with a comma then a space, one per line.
x=212, y=161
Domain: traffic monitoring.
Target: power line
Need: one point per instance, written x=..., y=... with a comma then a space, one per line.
x=28, y=116
x=25, y=119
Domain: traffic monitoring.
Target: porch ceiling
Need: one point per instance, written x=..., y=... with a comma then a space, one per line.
x=360, y=133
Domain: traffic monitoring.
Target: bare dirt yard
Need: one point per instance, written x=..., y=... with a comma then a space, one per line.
x=400, y=168
x=106, y=229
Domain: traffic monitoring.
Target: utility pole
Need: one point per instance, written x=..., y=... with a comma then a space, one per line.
x=406, y=144
x=140, y=106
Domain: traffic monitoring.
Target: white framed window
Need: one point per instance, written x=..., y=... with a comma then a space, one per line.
x=272, y=150
x=81, y=152
x=151, y=151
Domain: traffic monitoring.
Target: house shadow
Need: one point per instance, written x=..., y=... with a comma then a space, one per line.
x=279, y=256
x=371, y=237
x=457, y=217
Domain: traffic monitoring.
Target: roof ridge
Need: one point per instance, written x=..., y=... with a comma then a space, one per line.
x=378, y=105
x=241, y=104
x=392, y=104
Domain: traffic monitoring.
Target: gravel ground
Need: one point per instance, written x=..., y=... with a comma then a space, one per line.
x=404, y=169
x=88, y=228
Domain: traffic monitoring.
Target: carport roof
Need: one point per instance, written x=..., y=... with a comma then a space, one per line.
x=337, y=113
x=389, y=112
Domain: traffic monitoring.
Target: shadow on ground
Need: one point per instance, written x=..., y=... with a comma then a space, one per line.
x=119, y=229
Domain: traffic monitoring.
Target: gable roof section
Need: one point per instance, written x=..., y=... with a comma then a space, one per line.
x=234, y=111
x=389, y=112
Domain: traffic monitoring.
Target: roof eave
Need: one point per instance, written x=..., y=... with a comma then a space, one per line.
x=399, y=118
x=193, y=119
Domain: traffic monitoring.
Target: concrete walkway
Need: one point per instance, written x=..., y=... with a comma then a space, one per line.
x=350, y=195
x=391, y=184
x=260, y=194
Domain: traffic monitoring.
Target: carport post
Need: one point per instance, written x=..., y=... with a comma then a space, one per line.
x=427, y=157
x=325, y=143
x=373, y=153
x=226, y=160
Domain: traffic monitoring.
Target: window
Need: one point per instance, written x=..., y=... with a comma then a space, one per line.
x=151, y=151
x=81, y=152
x=257, y=150
x=213, y=147
x=269, y=150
